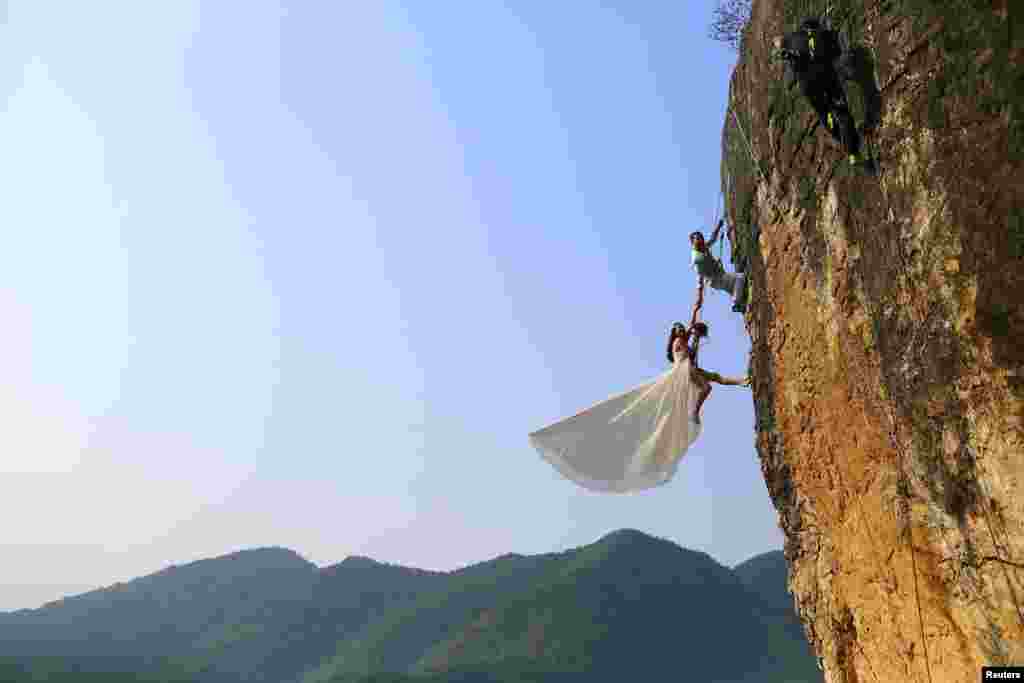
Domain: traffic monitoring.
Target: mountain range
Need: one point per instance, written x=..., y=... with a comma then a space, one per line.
x=627, y=605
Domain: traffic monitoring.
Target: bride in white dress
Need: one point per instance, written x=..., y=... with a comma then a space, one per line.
x=635, y=440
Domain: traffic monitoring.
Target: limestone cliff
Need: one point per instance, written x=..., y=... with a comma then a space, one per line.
x=887, y=334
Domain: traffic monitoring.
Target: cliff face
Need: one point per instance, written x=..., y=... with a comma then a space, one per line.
x=887, y=330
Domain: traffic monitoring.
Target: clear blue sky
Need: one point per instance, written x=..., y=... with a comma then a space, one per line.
x=307, y=274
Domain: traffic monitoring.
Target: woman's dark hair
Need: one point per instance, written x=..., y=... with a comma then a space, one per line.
x=673, y=333
x=695, y=233
x=694, y=334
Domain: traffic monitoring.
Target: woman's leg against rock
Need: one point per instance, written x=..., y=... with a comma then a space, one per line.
x=721, y=379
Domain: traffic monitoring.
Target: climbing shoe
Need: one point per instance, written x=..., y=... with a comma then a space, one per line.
x=864, y=163
x=860, y=158
x=739, y=305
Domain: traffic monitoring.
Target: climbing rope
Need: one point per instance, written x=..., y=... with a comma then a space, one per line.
x=903, y=490
x=750, y=149
x=718, y=215
x=903, y=487
x=721, y=247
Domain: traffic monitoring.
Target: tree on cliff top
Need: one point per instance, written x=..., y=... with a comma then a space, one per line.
x=729, y=19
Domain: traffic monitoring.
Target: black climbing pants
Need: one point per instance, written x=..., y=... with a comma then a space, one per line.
x=822, y=88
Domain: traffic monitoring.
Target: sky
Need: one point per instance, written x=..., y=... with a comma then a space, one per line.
x=306, y=274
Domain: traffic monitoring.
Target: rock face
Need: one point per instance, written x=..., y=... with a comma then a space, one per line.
x=887, y=335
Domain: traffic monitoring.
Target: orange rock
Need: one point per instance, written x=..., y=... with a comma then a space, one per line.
x=906, y=547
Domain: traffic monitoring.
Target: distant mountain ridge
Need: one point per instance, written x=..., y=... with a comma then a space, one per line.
x=591, y=613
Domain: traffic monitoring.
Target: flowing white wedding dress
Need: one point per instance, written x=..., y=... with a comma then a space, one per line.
x=629, y=442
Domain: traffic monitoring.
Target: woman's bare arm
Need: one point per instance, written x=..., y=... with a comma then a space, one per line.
x=700, y=301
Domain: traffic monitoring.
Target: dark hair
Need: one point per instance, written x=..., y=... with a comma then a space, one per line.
x=673, y=333
x=695, y=333
x=695, y=233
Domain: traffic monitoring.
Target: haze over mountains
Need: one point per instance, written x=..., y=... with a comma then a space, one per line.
x=627, y=604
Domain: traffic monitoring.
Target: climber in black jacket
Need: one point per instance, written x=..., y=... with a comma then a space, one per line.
x=812, y=52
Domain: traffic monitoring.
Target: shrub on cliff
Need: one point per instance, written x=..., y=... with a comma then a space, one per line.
x=728, y=20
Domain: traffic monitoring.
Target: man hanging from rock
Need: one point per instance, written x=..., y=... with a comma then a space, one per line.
x=816, y=61
x=711, y=269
